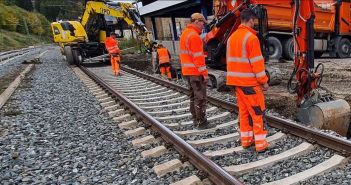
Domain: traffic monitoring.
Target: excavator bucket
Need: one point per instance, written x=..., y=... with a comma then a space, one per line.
x=330, y=115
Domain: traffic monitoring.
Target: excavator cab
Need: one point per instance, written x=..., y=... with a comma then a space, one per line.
x=68, y=31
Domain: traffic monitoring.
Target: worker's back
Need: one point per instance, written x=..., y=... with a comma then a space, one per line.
x=245, y=64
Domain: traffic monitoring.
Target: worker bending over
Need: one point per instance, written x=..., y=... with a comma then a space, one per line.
x=111, y=45
x=246, y=71
x=164, y=59
x=194, y=69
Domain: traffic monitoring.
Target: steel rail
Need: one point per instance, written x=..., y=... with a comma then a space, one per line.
x=215, y=172
x=13, y=53
x=310, y=134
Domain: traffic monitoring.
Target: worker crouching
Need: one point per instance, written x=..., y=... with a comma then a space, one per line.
x=164, y=59
x=111, y=45
x=246, y=71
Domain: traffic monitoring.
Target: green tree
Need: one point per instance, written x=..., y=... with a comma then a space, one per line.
x=37, y=5
x=16, y=19
x=59, y=9
x=25, y=4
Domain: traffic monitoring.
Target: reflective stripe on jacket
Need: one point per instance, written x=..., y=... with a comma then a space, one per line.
x=163, y=55
x=191, y=53
x=245, y=63
x=112, y=46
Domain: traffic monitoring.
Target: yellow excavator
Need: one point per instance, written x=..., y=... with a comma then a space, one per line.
x=84, y=39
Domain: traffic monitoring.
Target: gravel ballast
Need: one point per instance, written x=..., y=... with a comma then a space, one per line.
x=58, y=134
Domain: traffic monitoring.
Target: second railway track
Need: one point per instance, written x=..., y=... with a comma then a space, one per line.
x=296, y=153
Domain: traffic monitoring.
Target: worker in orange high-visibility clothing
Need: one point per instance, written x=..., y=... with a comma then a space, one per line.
x=164, y=59
x=194, y=69
x=111, y=45
x=246, y=71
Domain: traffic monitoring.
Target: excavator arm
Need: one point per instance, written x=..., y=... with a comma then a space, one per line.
x=123, y=12
x=316, y=108
x=303, y=16
x=307, y=77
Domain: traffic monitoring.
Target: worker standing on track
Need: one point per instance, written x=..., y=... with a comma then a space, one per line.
x=164, y=59
x=111, y=45
x=246, y=71
x=194, y=69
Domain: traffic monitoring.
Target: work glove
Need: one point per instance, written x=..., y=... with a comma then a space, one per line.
x=205, y=78
x=265, y=87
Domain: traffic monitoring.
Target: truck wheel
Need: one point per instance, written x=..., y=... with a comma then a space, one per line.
x=343, y=48
x=289, y=49
x=78, y=59
x=275, y=48
x=69, y=55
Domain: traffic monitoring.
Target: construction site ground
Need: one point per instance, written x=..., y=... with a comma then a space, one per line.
x=336, y=79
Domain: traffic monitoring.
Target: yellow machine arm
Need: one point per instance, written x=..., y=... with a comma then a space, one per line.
x=122, y=11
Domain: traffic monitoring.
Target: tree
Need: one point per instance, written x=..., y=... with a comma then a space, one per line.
x=25, y=4
x=37, y=5
x=59, y=9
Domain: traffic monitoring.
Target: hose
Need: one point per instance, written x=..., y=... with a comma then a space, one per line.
x=319, y=81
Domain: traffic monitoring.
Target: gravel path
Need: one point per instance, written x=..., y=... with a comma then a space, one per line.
x=54, y=132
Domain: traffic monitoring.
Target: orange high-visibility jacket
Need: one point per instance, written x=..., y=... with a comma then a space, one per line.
x=112, y=46
x=191, y=52
x=245, y=63
x=163, y=55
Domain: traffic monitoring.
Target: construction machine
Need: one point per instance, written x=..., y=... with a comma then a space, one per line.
x=84, y=39
x=332, y=28
x=315, y=107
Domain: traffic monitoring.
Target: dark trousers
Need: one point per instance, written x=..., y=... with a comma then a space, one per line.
x=197, y=98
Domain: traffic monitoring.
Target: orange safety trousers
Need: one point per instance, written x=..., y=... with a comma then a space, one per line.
x=251, y=116
x=164, y=70
x=115, y=60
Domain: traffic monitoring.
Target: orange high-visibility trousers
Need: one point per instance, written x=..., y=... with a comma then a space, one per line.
x=164, y=70
x=115, y=60
x=251, y=117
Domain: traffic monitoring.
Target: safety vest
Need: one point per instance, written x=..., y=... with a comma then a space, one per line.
x=112, y=45
x=163, y=56
x=245, y=63
x=191, y=54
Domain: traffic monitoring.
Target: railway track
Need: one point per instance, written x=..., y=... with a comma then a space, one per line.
x=15, y=73
x=13, y=54
x=296, y=153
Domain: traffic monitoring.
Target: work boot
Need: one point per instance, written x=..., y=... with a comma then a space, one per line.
x=195, y=123
x=248, y=146
x=205, y=125
x=262, y=149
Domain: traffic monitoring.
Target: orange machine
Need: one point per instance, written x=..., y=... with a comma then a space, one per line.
x=332, y=27
x=315, y=108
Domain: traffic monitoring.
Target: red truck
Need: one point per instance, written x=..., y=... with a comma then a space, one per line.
x=332, y=29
